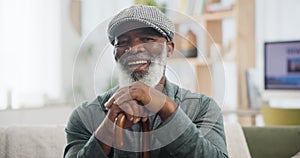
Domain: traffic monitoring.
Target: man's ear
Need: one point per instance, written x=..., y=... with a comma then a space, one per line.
x=170, y=48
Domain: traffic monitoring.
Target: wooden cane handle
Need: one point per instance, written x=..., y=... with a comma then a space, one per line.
x=119, y=133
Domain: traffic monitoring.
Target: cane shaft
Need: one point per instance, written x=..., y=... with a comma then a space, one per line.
x=119, y=133
x=146, y=139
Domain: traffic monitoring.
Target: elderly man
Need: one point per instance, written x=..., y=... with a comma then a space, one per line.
x=180, y=123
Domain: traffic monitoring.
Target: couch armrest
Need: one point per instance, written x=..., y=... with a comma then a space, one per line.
x=275, y=142
x=236, y=142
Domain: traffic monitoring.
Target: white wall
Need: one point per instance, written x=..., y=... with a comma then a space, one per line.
x=93, y=13
x=97, y=11
x=94, y=62
x=29, y=52
x=70, y=43
x=78, y=65
x=276, y=20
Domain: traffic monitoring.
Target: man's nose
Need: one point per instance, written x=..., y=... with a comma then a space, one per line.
x=137, y=46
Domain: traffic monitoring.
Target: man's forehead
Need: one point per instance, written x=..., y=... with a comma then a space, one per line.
x=142, y=31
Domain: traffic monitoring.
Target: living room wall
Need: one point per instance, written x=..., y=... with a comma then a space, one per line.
x=276, y=20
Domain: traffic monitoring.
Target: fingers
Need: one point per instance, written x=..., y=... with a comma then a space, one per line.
x=123, y=98
x=137, y=91
x=157, y=101
x=110, y=102
x=133, y=93
x=144, y=119
x=127, y=99
x=128, y=110
x=134, y=110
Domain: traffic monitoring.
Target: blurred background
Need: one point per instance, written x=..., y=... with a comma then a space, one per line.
x=55, y=54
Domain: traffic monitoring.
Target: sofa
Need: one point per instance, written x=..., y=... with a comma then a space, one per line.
x=273, y=141
x=32, y=141
x=242, y=142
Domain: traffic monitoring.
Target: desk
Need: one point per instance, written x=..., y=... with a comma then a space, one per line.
x=246, y=117
x=242, y=112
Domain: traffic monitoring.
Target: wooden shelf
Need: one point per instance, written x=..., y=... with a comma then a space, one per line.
x=242, y=112
x=246, y=116
x=207, y=17
x=194, y=61
x=243, y=14
x=216, y=15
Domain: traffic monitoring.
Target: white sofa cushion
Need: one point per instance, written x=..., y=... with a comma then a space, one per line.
x=236, y=142
x=2, y=142
x=35, y=141
x=49, y=141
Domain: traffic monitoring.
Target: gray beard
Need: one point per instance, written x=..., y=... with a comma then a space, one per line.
x=151, y=78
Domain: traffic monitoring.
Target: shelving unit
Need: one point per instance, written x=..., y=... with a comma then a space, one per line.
x=208, y=17
x=243, y=14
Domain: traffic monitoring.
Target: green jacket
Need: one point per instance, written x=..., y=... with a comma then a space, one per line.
x=195, y=130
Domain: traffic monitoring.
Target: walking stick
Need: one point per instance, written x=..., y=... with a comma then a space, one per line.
x=119, y=134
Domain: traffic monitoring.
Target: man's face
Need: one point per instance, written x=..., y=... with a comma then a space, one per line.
x=141, y=54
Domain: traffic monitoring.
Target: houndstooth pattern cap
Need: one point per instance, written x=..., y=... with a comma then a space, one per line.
x=139, y=16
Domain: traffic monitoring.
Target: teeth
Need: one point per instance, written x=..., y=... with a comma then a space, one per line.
x=137, y=62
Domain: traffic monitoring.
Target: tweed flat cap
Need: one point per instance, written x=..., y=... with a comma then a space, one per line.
x=139, y=16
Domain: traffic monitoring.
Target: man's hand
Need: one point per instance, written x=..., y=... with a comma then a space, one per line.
x=132, y=110
x=136, y=102
x=138, y=99
x=104, y=132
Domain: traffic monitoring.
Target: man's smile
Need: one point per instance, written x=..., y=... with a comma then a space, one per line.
x=138, y=65
x=137, y=62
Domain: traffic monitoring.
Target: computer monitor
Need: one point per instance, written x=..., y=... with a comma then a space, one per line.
x=282, y=65
x=282, y=70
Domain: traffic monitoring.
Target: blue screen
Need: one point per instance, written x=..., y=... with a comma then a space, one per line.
x=282, y=65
